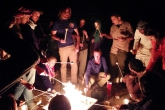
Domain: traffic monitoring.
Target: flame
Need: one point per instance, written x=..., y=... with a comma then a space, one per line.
x=77, y=100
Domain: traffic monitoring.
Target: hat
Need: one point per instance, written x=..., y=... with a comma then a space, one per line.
x=22, y=11
x=141, y=25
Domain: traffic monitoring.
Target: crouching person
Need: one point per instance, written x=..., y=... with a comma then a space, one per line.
x=46, y=74
x=132, y=80
x=97, y=70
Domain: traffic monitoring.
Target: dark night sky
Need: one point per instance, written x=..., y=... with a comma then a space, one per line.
x=131, y=10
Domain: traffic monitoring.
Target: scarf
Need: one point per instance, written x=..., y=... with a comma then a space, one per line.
x=50, y=70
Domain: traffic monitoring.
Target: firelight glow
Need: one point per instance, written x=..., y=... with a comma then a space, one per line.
x=77, y=100
x=126, y=101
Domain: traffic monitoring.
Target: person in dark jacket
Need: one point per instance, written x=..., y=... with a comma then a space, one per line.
x=44, y=80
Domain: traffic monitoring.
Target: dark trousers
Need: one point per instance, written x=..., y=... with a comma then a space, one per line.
x=120, y=57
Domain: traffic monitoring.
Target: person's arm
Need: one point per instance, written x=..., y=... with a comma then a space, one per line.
x=87, y=73
x=46, y=81
x=26, y=84
x=136, y=41
x=132, y=87
x=128, y=32
x=153, y=58
x=104, y=65
x=107, y=36
x=53, y=34
x=86, y=35
x=77, y=39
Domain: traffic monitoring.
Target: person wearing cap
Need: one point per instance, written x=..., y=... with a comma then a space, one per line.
x=62, y=32
x=142, y=44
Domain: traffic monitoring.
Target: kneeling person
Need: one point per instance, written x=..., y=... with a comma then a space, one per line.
x=94, y=73
x=132, y=80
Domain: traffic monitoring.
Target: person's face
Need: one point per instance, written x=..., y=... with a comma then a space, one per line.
x=52, y=62
x=97, y=25
x=35, y=16
x=96, y=56
x=82, y=22
x=66, y=14
x=141, y=31
x=152, y=37
x=25, y=19
x=115, y=20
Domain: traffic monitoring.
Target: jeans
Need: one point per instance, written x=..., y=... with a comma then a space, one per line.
x=21, y=89
x=65, y=52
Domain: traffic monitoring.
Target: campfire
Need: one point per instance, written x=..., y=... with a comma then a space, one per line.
x=77, y=100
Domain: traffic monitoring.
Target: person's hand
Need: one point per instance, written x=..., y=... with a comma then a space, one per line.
x=101, y=35
x=84, y=32
x=81, y=44
x=29, y=86
x=77, y=48
x=104, y=34
x=133, y=51
x=92, y=41
x=104, y=76
x=63, y=41
x=116, y=107
x=53, y=91
x=121, y=39
x=87, y=88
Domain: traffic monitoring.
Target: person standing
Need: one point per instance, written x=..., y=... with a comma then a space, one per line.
x=62, y=32
x=142, y=44
x=83, y=53
x=121, y=32
x=25, y=85
x=97, y=36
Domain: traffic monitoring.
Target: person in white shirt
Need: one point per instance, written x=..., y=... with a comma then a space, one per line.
x=142, y=44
